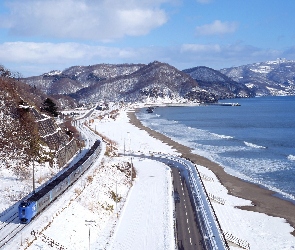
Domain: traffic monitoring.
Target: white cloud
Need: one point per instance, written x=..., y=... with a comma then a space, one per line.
x=200, y=48
x=45, y=53
x=102, y=20
x=31, y=58
x=216, y=28
x=222, y=56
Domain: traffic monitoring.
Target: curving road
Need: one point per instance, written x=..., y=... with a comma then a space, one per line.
x=188, y=234
x=197, y=225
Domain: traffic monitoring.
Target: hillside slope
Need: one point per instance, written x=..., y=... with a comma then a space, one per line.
x=219, y=84
x=151, y=83
x=77, y=77
x=155, y=82
x=266, y=78
x=26, y=135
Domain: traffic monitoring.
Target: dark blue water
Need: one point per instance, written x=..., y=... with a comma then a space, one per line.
x=254, y=141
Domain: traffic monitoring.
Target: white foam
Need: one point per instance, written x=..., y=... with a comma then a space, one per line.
x=222, y=136
x=291, y=157
x=247, y=168
x=252, y=145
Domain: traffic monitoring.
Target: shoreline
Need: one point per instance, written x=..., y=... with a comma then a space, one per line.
x=263, y=200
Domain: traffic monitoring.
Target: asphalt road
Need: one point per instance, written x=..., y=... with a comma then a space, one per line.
x=188, y=234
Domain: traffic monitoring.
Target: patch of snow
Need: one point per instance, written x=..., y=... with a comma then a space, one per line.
x=262, y=69
x=53, y=73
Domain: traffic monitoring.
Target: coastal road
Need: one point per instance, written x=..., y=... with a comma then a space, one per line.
x=188, y=234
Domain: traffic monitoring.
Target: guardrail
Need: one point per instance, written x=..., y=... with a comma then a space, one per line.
x=208, y=222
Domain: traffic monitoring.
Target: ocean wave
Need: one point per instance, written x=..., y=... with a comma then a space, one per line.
x=291, y=157
x=222, y=136
x=252, y=145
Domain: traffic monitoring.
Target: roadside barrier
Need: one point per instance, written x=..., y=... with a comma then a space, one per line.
x=207, y=219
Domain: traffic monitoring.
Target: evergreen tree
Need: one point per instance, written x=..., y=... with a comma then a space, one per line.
x=50, y=107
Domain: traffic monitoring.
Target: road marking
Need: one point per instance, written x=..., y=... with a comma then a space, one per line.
x=190, y=239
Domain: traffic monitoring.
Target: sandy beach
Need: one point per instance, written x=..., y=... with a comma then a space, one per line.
x=262, y=199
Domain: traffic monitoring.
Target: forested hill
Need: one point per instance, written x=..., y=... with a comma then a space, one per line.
x=153, y=82
x=160, y=82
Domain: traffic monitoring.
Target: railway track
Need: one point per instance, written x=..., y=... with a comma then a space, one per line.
x=10, y=225
x=10, y=231
x=10, y=218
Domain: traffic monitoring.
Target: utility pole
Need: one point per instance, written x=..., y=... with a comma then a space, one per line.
x=89, y=238
x=89, y=223
x=131, y=173
x=124, y=146
x=116, y=199
x=65, y=145
x=33, y=176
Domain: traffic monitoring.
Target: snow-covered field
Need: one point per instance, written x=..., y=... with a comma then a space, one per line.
x=146, y=221
x=86, y=216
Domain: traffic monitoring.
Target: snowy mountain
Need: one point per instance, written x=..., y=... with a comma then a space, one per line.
x=266, y=78
x=158, y=82
x=77, y=77
x=155, y=82
x=150, y=83
x=219, y=84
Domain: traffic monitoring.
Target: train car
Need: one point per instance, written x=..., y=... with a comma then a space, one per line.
x=39, y=200
x=26, y=211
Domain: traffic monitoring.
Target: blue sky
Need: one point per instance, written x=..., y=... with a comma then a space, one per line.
x=37, y=36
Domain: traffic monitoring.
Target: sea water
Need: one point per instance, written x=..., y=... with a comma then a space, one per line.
x=254, y=141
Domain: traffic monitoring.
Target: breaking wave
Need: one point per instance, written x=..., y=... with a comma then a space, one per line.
x=222, y=136
x=291, y=157
x=252, y=145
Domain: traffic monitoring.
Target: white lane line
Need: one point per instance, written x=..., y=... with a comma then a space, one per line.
x=190, y=239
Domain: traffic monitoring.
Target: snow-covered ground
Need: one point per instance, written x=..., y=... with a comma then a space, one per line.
x=87, y=215
x=259, y=230
x=88, y=207
x=147, y=219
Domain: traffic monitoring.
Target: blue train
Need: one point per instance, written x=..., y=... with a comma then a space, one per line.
x=42, y=198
